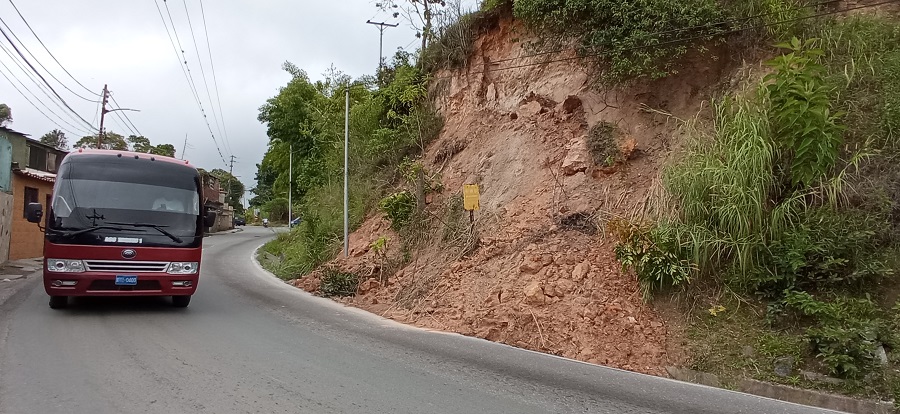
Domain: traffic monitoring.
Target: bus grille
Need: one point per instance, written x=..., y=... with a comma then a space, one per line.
x=124, y=266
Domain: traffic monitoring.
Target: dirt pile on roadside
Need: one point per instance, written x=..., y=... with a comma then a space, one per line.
x=554, y=158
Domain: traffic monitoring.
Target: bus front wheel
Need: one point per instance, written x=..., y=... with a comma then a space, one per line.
x=58, y=302
x=181, y=301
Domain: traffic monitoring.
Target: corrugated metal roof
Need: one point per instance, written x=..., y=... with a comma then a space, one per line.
x=37, y=174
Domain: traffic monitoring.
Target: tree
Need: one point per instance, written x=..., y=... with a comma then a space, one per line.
x=265, y=180
x=139, y=143
x=136, y=143
x=163, y=149
x=142, y=144
x=111, y=140
x=5, y=114
x=419, y=13
x=56, y=139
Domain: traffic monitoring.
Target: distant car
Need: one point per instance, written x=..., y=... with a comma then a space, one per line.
x=239, y=221
x=295, y=221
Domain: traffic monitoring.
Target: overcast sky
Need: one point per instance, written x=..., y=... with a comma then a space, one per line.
x=124, y=44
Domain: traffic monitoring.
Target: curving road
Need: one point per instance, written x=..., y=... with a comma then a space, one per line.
x=251, y=344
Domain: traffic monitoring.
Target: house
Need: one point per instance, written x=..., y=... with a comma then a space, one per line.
x=214, y=201
x=27, y=174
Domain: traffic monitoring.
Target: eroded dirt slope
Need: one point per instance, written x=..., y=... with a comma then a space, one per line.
x=544, y=275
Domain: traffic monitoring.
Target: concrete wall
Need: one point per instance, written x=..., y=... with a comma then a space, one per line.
x=224, y=219
x=27, y=240
x=6, y=212
x=19, y=147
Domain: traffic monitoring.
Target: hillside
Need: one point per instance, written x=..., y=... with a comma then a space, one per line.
x=544, y=276
x=734, y=209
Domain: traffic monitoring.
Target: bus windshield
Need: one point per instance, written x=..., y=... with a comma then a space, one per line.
x=124, y=212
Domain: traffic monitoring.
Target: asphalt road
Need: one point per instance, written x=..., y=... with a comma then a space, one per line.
x=251, y=344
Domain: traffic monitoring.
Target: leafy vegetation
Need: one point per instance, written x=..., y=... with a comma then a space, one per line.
x=114, y=141
x=845, y=333
x=56, y=139
x=633, y=37
x=789, y=202
x=5, y=114
x=602, y=144
x=650, y=252
x=387, y=125
x=337, y=283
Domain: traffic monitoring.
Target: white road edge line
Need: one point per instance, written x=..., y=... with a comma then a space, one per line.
x=273, y=280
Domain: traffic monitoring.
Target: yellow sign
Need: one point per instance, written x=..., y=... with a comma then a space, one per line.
x=470, y=197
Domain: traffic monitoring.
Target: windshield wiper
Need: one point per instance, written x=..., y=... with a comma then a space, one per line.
x=85, y=230
x=157, y=227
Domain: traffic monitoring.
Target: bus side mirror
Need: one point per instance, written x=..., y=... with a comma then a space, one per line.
x=209, y=219
x=34, y=212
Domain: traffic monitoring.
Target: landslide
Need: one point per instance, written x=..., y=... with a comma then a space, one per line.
x=555, y=158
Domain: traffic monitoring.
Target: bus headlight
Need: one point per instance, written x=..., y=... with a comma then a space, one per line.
x=65, y=266
x=183, y=268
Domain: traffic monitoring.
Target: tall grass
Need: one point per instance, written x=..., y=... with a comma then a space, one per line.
x=723, y=188
x=318, y=237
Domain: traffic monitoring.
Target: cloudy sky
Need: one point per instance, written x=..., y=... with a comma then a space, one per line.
x=125, y=44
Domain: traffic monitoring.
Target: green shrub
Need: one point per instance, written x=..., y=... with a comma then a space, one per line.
x=740, y=190
x=803, y=126
x=845, y=332
x=337, y=283
x=826, y=250
x=399, y=207
x=625, y=32
x=452, y=45
x=650, y=252
x=602, y=144
x=863, y=61
x=276, y=209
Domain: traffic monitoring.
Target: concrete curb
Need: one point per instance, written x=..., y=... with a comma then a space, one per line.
x=232, y=231
x=790, y=394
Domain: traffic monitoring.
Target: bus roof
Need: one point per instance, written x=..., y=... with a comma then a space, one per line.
x=140, y=155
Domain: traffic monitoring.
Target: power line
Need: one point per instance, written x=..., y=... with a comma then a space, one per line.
x=42, y=77
x=24, y=46
x=175, y=49
x=48, y=50
x=41, y=87
x=676, y=41
x=186, y=70
x=35, y=106
x=96, y=113
x=215, y=81
x=125, y=115
x=119, y=124
x=123, y=125
x=203, y=74
x=55, y=122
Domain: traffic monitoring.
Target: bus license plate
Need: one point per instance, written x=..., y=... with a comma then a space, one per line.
x=126, y=280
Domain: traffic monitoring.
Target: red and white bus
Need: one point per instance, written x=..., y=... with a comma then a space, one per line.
x=123, y=224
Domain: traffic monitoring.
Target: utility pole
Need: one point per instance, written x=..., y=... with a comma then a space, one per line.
x=230, y=177
x=184, y=148
x=346, y=172
x=290, y=182
x=103, y=112
x=381, y=27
